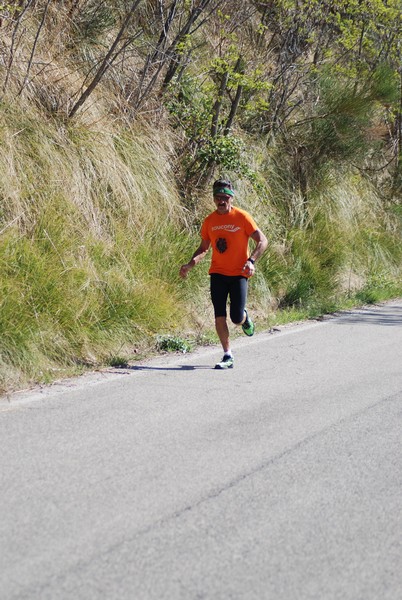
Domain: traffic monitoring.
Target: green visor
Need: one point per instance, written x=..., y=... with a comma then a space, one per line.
x=225, y=191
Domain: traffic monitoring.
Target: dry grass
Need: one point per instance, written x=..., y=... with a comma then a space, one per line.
x=93, y=229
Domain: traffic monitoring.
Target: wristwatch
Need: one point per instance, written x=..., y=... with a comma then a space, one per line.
x=251, y=260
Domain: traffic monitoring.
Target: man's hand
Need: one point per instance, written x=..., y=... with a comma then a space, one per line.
x=249, y=268
x=197, y=256
x=184, y=269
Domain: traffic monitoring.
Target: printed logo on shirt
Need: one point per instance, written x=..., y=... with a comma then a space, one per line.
x=221, y=245
x=228, y=228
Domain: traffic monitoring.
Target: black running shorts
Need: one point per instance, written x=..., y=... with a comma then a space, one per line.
x=234, y=287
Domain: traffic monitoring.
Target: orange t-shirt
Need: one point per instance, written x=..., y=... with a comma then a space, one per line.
x=228, y=235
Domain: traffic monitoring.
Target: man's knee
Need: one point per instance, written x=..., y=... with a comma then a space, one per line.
x=237, y=317
x=220, y=318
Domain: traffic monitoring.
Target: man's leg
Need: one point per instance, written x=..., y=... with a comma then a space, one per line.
x=219, y=295
x=222, y=330
x=238, y=298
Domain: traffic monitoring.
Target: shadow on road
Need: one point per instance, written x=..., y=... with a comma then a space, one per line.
x=375, y=317
x=181, y=368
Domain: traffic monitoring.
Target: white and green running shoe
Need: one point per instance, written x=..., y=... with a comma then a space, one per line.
x=226, y=362
x=248, y=325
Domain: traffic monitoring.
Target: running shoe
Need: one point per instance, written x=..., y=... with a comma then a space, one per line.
x=248, y=325
x=226, y=362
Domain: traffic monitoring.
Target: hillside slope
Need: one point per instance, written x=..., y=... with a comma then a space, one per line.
x=101, y=202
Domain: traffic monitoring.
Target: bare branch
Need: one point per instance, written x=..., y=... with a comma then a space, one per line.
x=107, y=61
x=34, y=47
x=14, y=45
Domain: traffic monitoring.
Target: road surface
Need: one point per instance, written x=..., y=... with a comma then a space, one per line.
x=280, y=479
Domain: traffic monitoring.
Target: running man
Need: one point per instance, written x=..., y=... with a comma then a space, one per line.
x=228, y=230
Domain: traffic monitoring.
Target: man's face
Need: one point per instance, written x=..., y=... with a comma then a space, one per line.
x=223, y=203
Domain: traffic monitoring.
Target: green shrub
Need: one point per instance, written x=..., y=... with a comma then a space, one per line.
x=171, y=343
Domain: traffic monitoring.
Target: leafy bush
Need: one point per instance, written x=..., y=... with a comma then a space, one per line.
x=171, y=343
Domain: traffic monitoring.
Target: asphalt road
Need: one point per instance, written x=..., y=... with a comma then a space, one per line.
x=280, y=479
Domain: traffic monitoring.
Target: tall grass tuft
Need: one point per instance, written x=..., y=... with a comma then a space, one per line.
x=91, y=235
x=344, y=248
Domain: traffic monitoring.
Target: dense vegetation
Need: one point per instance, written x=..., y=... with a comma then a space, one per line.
x=115, y=116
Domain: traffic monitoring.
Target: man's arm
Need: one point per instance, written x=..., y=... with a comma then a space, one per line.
x=197, y=256
x=260, y=247
x=261, y=244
